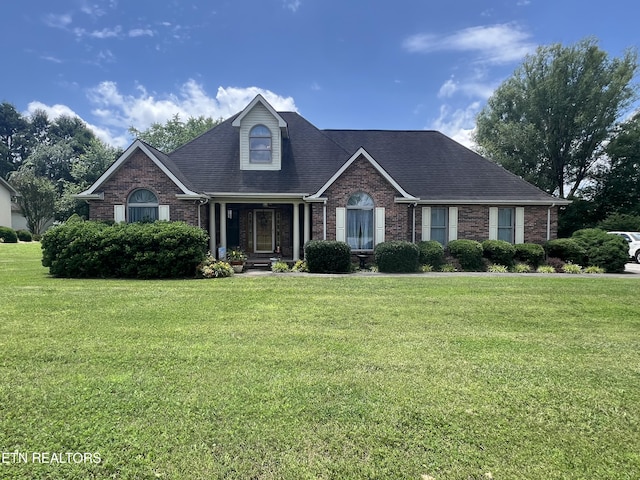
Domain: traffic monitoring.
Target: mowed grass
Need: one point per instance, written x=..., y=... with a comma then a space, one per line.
x=349, y=377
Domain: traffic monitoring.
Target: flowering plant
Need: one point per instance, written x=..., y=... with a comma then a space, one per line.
x=236, y=255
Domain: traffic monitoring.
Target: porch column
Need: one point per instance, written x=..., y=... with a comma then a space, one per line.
x=223, y=224
x=212, y=228
x=307, y=223
x=296, y=231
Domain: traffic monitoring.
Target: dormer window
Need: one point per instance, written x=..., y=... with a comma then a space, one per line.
x=260, y=145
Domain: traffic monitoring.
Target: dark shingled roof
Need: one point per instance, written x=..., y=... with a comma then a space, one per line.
x=426, y=164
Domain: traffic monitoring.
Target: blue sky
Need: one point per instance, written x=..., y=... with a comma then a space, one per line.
x=403, y=64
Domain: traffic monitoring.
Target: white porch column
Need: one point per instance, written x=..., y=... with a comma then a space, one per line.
x=307, y=223
x=296, y=231
x=212, y=228
x=223, y=224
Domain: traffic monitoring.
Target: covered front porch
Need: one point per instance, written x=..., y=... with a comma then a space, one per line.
x=263, y=228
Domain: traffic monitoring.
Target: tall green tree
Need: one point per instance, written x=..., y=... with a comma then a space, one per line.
x=13, y=139
x=37, y=198
x=550, y=121
x=85, y=169
x=174, y=133
x=617, y=189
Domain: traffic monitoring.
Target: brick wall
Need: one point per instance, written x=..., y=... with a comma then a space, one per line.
x=140, y=172
x=361, y=176
x=473, y=222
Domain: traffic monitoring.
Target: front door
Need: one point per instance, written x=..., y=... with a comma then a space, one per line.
x=264, y=231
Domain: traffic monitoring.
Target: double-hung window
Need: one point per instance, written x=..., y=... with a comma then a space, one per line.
x=506, y=224
x=439, y=224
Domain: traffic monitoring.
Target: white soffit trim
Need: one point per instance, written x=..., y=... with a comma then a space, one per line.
x=259, y=99
x=123, y=158
x=376, y=165
x=487, y=201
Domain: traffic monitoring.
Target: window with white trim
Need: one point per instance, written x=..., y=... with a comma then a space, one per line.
x=360, y=225
x=142, y=206
x=506, y=224
x=439, y=224
x=260, y=145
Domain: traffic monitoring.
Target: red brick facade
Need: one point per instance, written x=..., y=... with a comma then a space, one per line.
x=473, y=220
x=141, y=172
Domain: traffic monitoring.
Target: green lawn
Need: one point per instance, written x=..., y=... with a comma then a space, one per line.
x=290, y=377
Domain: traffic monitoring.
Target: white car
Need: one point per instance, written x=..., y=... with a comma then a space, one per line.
x=634, y=243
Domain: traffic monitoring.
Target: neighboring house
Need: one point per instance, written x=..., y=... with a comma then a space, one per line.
x=269, y=181
x=7, y=192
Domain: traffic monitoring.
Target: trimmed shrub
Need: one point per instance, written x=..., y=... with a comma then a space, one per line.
x=328, y=256
x=137, y=250
x=24, y=235
x=499, y=251
x=556, y=263
x=610, y=252
x=566, y=249
x=397, y=257
x=8, y=235
x=530, y=253
x=431, y=253
x=468, y=253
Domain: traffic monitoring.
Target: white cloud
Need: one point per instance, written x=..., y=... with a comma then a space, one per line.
x=292, y=5
x=140, y=32
x=116, y=112
x=473, y=88
x=495, y=44
x=458, y=124
x=58, y=20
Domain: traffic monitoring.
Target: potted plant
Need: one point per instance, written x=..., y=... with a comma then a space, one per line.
x=236, y=258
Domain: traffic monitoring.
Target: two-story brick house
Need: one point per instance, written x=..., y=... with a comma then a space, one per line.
x=269, y=181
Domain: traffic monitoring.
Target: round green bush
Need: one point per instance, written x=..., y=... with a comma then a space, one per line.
x=530, y=253
x=566, y=249
x=397, y=257
x=328, y=256
x=499, y=251
x=431, y=253
x=24, y=235
x=8, y=235
x=468, y=253
x=603, y=250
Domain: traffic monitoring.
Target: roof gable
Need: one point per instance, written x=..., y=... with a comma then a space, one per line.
x=7, y=185
x=361, y=152
x=259, y=99
x=162, y=161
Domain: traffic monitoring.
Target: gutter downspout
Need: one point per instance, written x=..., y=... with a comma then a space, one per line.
x=413, y=232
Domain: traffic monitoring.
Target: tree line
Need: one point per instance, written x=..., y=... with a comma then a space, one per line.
x=48, y=161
